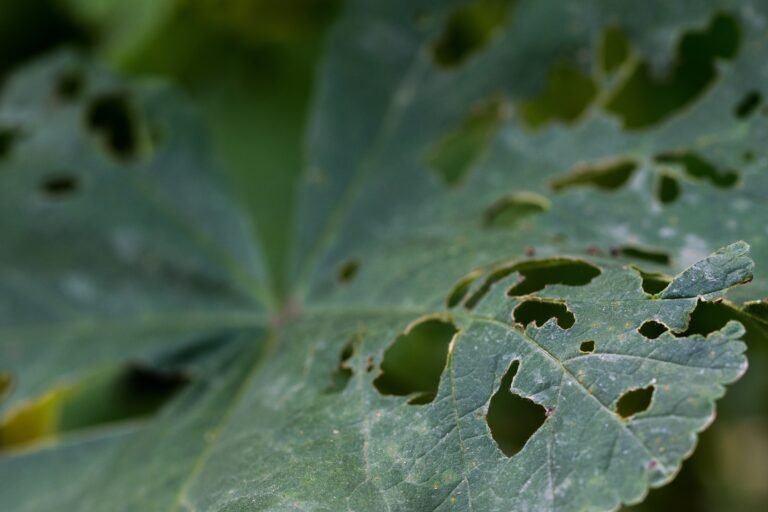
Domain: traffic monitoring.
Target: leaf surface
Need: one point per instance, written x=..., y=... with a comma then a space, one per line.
x=535, y=257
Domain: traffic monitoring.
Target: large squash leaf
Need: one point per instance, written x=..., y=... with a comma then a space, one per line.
x=468, y=329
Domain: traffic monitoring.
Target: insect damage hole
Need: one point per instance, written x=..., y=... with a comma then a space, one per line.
x=69, y=85
x=698, y=168
x=643, y=253
x=343, y=372
x=747, y=105
x=414, y=362
x=5, y=384
x=114, y=120
x=8, y=137
x=508, y=211
x=452, y=157
x=59, y=186
x=634, y=402
x=511, y=418
x=348, y=271
x=614, y=49
x=461, y=288
x=652, y=329
x=710, y=316
x=540, y=311
x=587, y=347
x=667, y=189
x=566, y=95
x=540, y=273
x=112, y=396
x=468, y=30
x=605, y=175
x=652, y=282
x=645, y=99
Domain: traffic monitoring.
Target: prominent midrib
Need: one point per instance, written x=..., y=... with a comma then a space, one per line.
x=390, y=122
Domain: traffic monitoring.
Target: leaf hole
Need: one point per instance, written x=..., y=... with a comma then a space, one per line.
x=348, y=271
x=131, y=392
x=652, y=329
x=343, y=372
x=511, y=418
x=653, y=282
x=452, y=156
x=567, y=94
x=508, y=211
x=606, y=175
x=644, y=99
x=469, y=29
x=540, y=273
x=614, y=49
x=6, y=381
x=59, y=186
x=667, y=189
x=69, y=85
x=587, y=347
x=634, y=402
x=747, y=105
x=758, y=309
x=114, y=120
x=699, y=169
x=540, y=311
x=708, y=317
x=644, y=254
x=461, y=288
x=8, y=138
x=414, y=362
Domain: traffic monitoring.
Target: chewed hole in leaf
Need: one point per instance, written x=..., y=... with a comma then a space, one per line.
x=700, y=169
x=748, y=104
x=708, y=317
x=540, y=311
x=540, y=273
x=5, y=384
x=69, y=85
x=452, y=157
x=634, y=402
x=348, y=270
x=468, y=30
x=644, y=254
x=109, y=397
x=8, y=137
x=114, y=120
x=511, y=418
x=508, y=211
x=652, y=329
x=536, y=275
x=343, y=372
x=653, y=282
x=461, y=288
x=758, y=309
x=412, y=365
x=59, y=186
x=587, y=347
x=566, y=95
x=645, y=99
x=482, y=291
x=667, y=189
x=605, y=175
x=614, y=49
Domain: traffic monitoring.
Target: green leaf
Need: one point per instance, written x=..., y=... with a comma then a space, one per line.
x=495, y=333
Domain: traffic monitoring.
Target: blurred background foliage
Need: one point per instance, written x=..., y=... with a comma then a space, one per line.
x=249, y=67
